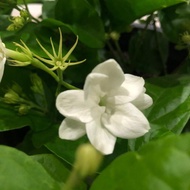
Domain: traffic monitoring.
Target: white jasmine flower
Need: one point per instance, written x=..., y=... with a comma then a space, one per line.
x=109, y=107
x=2, y=58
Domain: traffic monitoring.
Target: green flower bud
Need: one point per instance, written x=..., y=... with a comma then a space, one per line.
x=22, y=58
x=186, y=38
x=24, y=14
x=11, y=97
x=18, y=21
x=11, y=27
x=115, y=36
x=23, y=109
x=88, y=160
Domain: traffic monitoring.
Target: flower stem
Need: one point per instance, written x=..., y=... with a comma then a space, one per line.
x=72, y=181
x=60, y=76
x=35, y=62
x=69, y=86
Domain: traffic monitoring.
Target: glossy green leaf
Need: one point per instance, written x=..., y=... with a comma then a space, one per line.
x=56, y=169
x=11, y=120
x=124, y=12
x=171, y=108
x=160, y=165
x=20, y=171
x=83, y=19
x=53, y=166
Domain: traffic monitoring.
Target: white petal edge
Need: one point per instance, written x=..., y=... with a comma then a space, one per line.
x=2, y=58
x=143, y=101
x=134, y=85
x=2, y=66
x=127, y=122
x=71, y=104
x=100, y=137
x=71, y=129
x=92, y=87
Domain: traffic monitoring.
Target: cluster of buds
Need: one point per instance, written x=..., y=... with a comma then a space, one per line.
x=21, y=102
x=23, y=56
x=18, y=22
x=16, y=97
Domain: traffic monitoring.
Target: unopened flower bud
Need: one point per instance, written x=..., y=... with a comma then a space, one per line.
x=115, y=36
x=186, y=38
x=11, y=27
x=88, y=160
x=19, y=21
x=24, y=14
x=22, y=58
x=23, y=109
x=11, y=97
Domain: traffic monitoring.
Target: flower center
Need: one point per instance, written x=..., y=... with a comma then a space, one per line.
x=102, y=102
x=106, y=108
x=58, y=63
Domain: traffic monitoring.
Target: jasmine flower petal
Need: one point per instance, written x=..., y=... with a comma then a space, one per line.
x=100, y=137
x=134, y=86
x=127, y=122
x=2, y=58
x=71, y=104
x=92, y=88
x=71, y=129
x=143, y=101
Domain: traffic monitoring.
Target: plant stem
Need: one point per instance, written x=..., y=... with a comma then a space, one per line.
x=72, y=181
x=69, y=86
x=35, y=62
x=60, y=76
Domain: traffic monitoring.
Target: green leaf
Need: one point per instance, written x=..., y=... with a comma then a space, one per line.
x=20, y=171
x=83, y=19
x=10, y=119
x=162, y=164
x=53, y=166
x=171, y=107
x=170, y=111
x=65, y=149
x=124, y=12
